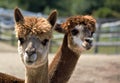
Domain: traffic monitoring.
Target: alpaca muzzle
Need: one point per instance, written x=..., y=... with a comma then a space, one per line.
x=87, y=44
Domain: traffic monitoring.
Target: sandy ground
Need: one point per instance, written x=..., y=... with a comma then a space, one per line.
x=89, y=69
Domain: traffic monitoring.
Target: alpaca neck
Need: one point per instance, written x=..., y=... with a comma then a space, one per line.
x=37, y=75
x=63, y=64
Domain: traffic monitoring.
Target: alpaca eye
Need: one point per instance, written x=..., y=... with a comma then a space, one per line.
x=45, y=41
x=21, y=40
x=74, y=32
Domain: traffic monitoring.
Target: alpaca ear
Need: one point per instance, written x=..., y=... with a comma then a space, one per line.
x=59, y=29
x=18, y=15
x=52, y=17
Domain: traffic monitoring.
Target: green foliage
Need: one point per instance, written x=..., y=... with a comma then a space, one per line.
x=113, y=8
x=99, y=8
x=106, y=13
x=88, y=6
x=113, y=4
x=8, y=3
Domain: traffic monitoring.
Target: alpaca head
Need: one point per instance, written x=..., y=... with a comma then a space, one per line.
x=34, y=35
x=80, y=31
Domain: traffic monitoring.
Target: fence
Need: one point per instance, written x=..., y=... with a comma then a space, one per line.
x=112, y=33
x=106, y=28
x=7, y=35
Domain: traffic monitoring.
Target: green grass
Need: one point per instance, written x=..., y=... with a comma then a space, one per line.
x=105, y=50
x=101, y=50
x=9, y=34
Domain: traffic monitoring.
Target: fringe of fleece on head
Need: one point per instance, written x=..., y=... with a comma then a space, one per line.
x=77, y=20
x=32, y=25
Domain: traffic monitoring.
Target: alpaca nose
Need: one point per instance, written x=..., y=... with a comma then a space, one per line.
x=30, y=51
x=89, y=40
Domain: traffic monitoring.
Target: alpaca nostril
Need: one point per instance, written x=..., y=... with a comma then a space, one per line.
x=30, y=52
x=88, y=40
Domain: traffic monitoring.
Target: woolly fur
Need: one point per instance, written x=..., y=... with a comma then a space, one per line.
x=77, y=20
x=33, y=26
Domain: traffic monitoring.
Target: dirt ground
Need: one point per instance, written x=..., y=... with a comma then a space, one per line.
x=89, y=69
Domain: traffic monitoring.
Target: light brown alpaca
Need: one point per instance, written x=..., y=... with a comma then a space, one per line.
x=78, y=37
x=34, y=35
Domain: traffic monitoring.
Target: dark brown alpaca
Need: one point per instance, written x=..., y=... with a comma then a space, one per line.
x=5, y=78
x=78, y=37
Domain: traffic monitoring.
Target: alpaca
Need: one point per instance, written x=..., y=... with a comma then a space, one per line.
x=61, y=67
x=78, y=37
x=34, y=35
x=5, y=78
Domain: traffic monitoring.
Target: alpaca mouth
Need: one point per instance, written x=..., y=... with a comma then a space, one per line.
x=30, y=59
x=87, y=44
x=29, y=62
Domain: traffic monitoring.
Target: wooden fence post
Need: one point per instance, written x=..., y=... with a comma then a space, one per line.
x=12, y=38
x=97, y=36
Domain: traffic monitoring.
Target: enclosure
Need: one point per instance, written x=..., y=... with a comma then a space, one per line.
x=101, y=64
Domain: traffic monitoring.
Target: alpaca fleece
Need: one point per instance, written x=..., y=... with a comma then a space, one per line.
x=71, y=22
x=33, y=26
